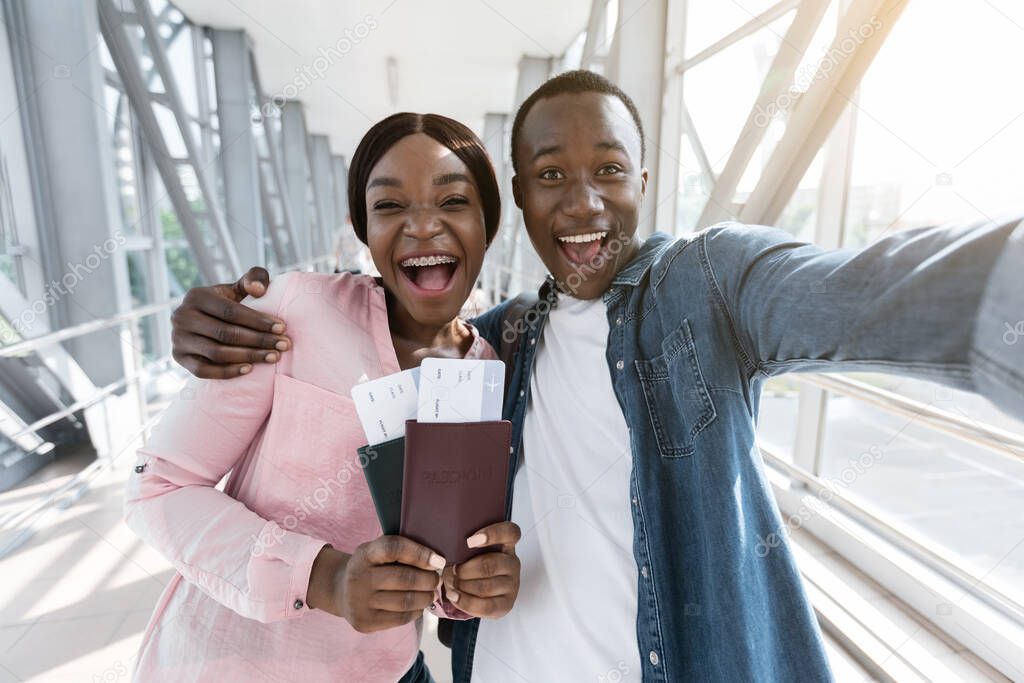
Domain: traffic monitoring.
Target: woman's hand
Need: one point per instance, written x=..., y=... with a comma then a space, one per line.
x=215, y=337
x=384, y=583
x=487, y=585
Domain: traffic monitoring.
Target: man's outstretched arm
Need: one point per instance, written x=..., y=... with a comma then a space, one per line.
x=930, y=302
x=214, y=336
x=997, y=352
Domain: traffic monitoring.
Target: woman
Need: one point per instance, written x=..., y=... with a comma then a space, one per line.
x=284, y=575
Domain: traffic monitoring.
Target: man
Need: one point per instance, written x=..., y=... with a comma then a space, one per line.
x=634, y=395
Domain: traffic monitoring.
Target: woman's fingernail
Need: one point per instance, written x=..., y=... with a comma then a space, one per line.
x=244, y=370
x=271, y=357
x=476, y=540
x=277, y=328
x=453, y=596
x=282, y=345
x=436, y=561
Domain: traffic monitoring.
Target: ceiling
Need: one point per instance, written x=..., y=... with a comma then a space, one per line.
x=452, y=57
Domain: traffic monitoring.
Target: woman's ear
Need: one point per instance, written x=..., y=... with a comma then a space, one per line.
x=517, y=192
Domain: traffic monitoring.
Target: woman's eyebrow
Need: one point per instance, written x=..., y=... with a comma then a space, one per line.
x=384, y=181
x=449, y=178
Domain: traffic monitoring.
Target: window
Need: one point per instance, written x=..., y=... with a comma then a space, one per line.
x=915, y=164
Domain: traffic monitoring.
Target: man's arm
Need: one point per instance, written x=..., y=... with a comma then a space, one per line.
x=215, y=337
x=998, y=347
x=909, y=303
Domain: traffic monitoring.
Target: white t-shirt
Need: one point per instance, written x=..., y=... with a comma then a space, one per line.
x=575, y=617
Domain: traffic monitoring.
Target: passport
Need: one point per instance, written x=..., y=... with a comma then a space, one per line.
x=382, y=466
x=454, y=483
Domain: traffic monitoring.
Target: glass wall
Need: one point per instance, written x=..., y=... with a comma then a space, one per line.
x=915, y=163
x=891, y=163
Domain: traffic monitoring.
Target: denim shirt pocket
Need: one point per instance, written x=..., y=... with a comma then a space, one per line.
x=677, y=397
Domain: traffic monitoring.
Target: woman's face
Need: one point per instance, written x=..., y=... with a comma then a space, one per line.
x=425, y=228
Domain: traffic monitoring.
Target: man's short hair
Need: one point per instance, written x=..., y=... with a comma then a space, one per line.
x=575, y=82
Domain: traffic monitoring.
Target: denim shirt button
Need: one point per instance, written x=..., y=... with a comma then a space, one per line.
x=619, y=365
x=654, y=658
x=643, y=571
x=618, y=321
x=522, y=392
x=635, y=501
x=533, y=341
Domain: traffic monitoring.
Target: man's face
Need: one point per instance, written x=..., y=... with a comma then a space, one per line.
x=580, y=186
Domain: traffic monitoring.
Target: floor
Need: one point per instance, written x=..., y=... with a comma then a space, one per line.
x=906, y=635
x=957, y=498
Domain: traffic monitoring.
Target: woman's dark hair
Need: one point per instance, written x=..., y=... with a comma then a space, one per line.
x=450, y=133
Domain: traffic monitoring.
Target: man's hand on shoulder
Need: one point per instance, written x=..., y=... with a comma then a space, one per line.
x=216, y=337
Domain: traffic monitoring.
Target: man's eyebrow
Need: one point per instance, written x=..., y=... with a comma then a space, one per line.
x=550, y=149
x=384, y=181
x=612, y=145
x=449, y=178
x=606, y=144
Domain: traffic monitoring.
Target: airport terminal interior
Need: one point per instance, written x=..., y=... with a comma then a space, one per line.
x=148, y=147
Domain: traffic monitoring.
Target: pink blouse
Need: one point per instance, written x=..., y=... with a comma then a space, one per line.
x=283, y=438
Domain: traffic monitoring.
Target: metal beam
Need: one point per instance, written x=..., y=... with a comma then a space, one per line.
x=283, y=231
x=239, y=161
x=663, y=186
x=829, y=230
x=347, y=247
x=755, y=24
x=340, y=167
x=226, y=256
x=819, y=108
x=521, y=265
x=323, y=187
x=779, y=78
x=31, y=117
x=597, y=26
x=72, y=162
x=495, y=140
x=533, y=71
x=204, y=115
x=698, y=148
x=270, y=204
x=214, y=264
x=638, y=67
x=296, y=172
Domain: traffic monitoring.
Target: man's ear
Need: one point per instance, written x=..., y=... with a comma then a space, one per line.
x=517, y=192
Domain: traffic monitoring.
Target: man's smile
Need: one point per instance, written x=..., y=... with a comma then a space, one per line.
x=582, y=248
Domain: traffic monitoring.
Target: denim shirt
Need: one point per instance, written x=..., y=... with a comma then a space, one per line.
x=697, y=325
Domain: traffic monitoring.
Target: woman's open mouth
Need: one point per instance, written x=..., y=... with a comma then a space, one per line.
x=430, y=275
x=581, y=249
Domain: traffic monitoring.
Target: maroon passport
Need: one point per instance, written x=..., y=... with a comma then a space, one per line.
x=454, y=483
